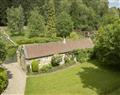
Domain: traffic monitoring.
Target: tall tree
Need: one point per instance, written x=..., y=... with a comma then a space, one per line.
x=107, y=44
x=110, y=17
x=4, y=4
x=62, y=5
x=82, y=16
x=29, y=5
x=36, y=24
x=64, y=24
x=51, y=19
x=15, y=18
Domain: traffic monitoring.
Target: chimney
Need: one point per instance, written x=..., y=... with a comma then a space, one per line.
x=64, y=41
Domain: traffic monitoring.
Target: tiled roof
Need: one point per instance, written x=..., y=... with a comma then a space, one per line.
x=45, y=49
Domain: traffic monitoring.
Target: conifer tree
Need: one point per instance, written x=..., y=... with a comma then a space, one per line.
x=51, y=22
x=36, y=24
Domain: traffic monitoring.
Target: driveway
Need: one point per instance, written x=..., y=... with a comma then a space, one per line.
x=17, y=80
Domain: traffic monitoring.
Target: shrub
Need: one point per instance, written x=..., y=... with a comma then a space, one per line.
x=69, y=60
x=46, y=68
x=3, y=80
x=35, y=65
x=74, y=35
x=55, y=61
x=83, y=55
x=11, y=51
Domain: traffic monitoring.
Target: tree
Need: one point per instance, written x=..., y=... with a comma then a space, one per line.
x=82, y=16
x=74, y=12
x=62, y=5
x=2, y=52
x=4, y=4
x=36, y=24
x=64, y=24
x=51, y=20
x=110, y=17
x=107, y=44
x=15, y=18
x=29, y=5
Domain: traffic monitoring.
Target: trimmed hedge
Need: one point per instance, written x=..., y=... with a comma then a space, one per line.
x=37, y=40
x=35, y=65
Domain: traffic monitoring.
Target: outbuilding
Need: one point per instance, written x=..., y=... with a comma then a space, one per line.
x=44, y=51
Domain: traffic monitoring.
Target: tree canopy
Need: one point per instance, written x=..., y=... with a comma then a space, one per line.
x=107, y=44
x=86, y=14
x=15, y=18
x=36, y=24
x=64, y=25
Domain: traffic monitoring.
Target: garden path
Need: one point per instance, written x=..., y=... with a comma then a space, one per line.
x=17, y=79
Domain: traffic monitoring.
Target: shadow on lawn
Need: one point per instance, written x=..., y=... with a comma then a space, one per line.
x=103, y=81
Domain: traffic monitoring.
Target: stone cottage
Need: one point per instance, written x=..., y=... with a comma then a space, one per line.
x=44, y=51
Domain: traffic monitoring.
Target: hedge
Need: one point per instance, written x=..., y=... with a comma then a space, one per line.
x=3, y=80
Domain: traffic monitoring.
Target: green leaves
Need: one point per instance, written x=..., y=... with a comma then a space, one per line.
x=51, y=19
x=2, y=52
x=15, y=18
x=36, y=24
x=107, y=45
x=64, y=24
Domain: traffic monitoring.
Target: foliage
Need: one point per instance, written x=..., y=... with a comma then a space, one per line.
x=11, y=51
x=55, y=61
x=83, y=55
x=107, y=44
x=36, y=24
x=69, y=60
x=37, y=40
x=110, y=17
x=82, y=16
x=86, y=14
x=15, y=18
x=2, y=52
x=3, y=80
x=64, y=25
x=62, y=5
x=35, y=65
x=74, y=36
x=51, y=19
x=45, y=68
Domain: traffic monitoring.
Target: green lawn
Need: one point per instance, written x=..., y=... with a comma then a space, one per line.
x=80, y=79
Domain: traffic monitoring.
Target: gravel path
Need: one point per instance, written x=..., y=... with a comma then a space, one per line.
x=17, y=80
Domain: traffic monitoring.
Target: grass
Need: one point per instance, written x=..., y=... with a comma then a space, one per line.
x=80, y=79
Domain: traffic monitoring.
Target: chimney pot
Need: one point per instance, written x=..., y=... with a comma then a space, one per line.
x=64, y=41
